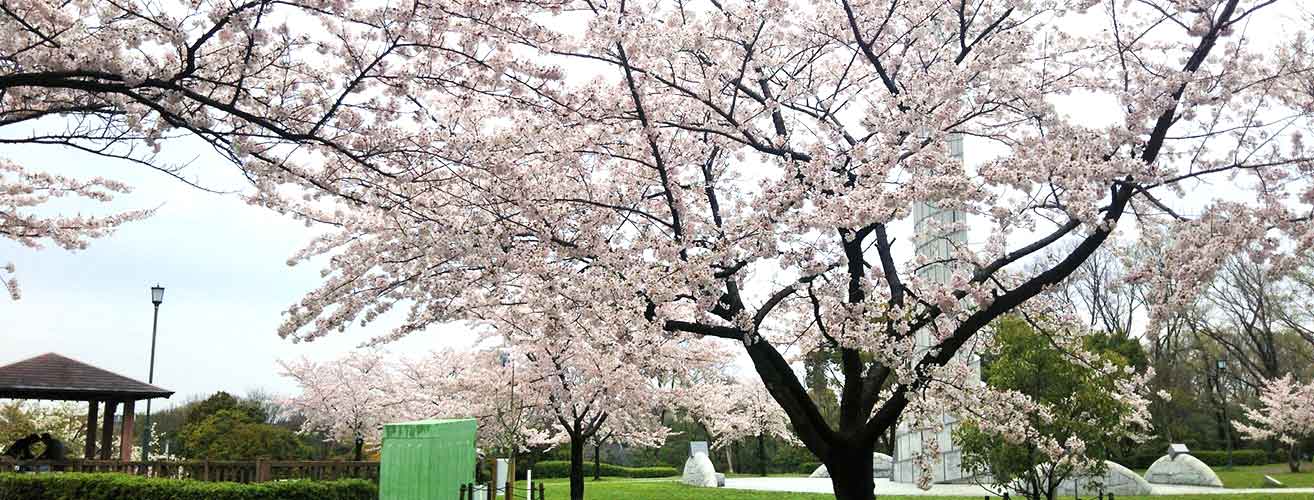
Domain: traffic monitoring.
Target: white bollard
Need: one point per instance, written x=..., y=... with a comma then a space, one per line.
x=500, y=486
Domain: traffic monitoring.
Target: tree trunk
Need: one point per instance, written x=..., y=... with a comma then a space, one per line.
x=761, y=456
x=597, y=461
x=1293, y=457
x=360, y=443
x=577, y=468
x=729, y=458
x=850, y=474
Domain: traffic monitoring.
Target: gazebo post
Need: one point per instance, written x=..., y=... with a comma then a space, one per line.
x=92, y=407
x=125, y=436
x=107, y=431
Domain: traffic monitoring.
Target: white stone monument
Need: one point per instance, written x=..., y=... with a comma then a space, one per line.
x=698, y=469
x=1179, y=467
x=935, y=239
x=1117, y=479
x=881, y=465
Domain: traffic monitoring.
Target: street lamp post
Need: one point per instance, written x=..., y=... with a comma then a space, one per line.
x=507, y=362
x=157, y=298
x=1221, y=365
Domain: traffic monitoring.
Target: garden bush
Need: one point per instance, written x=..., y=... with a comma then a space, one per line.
x=1213, y=458
x=78, y=486
x=1239, y=457
x=808, y=467
x=1139, y=461
x=561, y=468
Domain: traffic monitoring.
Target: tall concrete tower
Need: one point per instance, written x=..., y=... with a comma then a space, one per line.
x=936, y=235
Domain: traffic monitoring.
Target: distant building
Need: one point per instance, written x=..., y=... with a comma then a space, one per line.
x=937, y=232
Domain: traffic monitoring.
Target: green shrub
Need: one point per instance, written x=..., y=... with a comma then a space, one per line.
x=560, y=468
x=808, y=467
x=1216, y=458
x=1140, y=461
x=77, y=486
x=1213, y=458
x=657, y=471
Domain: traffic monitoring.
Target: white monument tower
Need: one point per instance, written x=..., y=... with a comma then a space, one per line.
x=937, y=232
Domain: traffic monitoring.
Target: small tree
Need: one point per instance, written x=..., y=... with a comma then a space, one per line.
x=474, y=384
x=738, y=410
x=1286, y=413
x=349, y=399
x=1072, y=408
x=231, y=434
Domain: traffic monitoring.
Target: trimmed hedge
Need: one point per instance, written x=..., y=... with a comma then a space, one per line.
x=1239, y=457
x=808, y=467
x=80, y=486
x=1212, y=458
x=561, y=468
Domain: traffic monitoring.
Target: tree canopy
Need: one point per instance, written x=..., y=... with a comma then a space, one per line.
x=616, y=172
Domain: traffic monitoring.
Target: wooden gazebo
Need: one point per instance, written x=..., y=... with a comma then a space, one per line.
x=56, y=378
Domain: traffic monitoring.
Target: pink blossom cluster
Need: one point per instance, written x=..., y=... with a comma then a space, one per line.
x=735, y=410
x=523, y=394
x=1285, y=412
x=23, y=219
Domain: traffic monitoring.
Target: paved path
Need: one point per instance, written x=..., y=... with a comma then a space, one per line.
x=887, y=487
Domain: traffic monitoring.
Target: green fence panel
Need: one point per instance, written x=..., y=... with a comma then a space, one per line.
x=427, y=460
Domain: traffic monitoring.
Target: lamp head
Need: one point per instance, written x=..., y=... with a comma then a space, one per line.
x=157, y=295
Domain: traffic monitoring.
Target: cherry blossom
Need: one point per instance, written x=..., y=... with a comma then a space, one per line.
x=280, y=90
x=736, y=411
x=23, y=220
x=1285, y=413
x=349, y=398
x=739, y=171
x=733, y=170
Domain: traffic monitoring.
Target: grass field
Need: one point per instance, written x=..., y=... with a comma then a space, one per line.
x=1252, y=476
x=671, y=489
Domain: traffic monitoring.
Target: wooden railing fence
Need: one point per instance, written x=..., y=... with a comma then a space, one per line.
x=254, y=471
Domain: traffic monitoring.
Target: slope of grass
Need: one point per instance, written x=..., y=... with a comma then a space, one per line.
x=1252, y=476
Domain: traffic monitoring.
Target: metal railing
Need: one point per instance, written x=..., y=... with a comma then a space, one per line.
x=472, y=491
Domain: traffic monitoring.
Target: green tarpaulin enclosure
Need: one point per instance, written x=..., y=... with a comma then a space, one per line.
x=427, y=460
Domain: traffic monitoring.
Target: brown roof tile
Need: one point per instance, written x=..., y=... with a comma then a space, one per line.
x=55, y=377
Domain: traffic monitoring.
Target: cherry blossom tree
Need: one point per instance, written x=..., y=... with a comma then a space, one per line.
x=735, y=411
x=599, y=385
x=740, y=170
x=272, y=87
x=348, y=398
x=476, y=384
x=532, y=388
x=1285, y=413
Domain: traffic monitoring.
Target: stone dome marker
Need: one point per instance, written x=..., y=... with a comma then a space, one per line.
x=698, y=469
x=1179, y=467
x=1117, y=479
x=1183, y=469
x=881, y=466
x=821, y=472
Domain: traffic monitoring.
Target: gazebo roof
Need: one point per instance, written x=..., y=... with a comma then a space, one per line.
x=54, y=377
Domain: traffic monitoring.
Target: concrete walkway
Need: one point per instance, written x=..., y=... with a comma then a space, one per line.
x=887, y=487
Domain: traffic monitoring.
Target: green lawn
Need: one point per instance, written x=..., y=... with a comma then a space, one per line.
x=1252, y=476
x=671, y=489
